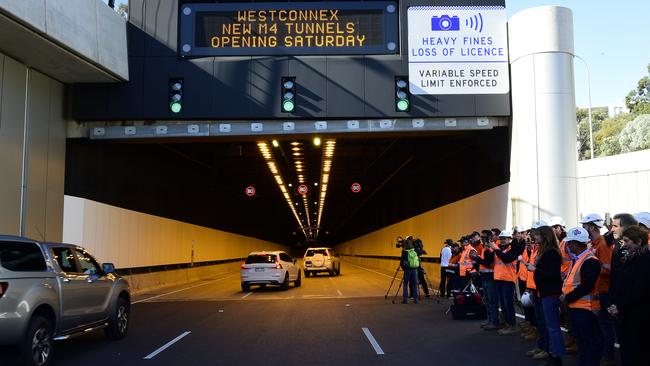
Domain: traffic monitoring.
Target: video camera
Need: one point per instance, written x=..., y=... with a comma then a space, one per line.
x=399, y=242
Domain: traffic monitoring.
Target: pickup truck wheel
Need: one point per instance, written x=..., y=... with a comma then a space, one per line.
x=118, y=323
x=37, y=346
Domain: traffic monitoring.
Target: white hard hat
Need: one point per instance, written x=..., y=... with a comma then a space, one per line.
x=539, y=223
x=521, y=228
x=505, y=234
x=593, y=218
x=556, y=220
x=577, y=234
x=643, y=218
x=527, y=300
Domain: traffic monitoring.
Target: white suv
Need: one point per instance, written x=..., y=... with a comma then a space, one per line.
x=321, y=260
x=269, y=268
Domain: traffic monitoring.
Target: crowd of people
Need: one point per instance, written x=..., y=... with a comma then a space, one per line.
x=592, y=280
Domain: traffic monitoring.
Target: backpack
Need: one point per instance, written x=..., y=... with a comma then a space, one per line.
x=412, y=260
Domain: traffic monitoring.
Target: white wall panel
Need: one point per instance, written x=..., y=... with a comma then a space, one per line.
x=482, y=211
x=132, y=239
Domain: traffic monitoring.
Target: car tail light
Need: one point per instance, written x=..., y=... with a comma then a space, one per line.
x=244, y=266
x=278, y=265
x=3, y=288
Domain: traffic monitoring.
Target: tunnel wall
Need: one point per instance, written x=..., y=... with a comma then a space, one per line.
x=133, y=240
x=485, y=210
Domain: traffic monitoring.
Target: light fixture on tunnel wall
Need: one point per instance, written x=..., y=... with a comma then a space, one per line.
x=270, y=162
x=402, y=94
x=288, y=94
x=275, y=143
x=175, y=95
x=317, y=141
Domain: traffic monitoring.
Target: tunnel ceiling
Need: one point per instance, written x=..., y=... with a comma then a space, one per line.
x=204, y=183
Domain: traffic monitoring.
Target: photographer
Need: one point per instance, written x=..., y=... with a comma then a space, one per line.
x=409, y=263
x=419, y=250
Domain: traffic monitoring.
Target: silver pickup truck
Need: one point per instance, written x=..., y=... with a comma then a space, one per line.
x=53, y=291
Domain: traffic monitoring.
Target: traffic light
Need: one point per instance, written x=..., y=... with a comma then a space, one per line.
x=175, y=95
x=288, y=93
x=402, y=94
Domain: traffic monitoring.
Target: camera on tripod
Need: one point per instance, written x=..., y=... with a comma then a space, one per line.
x=399, y=242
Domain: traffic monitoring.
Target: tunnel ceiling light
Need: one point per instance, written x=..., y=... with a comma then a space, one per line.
x=275, y=143
x=326, y=166
x=317, y=141
x=270, y=162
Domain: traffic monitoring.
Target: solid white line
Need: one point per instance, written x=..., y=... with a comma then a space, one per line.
x=373, y=342
x=247, y=295
x=369, y=270
x=156, y=352
x=183, y=289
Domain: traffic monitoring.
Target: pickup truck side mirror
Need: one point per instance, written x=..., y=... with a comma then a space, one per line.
x=108, y=268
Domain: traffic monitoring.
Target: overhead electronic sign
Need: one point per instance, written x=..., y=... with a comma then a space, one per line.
x=458, y=50
x=291, y=28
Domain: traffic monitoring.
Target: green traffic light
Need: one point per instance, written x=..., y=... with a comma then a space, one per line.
x=288, y=106
x=175, y=107
x=403, y=105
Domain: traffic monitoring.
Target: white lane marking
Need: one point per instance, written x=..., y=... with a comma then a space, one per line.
x=370, y=270
x=183, y=289
x=339, y=291
x=167, y=345
x=562, y=328
x=373, y=342
x=247, y=295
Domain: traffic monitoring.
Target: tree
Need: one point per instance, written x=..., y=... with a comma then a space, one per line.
x=598, y=115
x=638, y=100
x=123, y=10
x=636, y=135
x=606, y=141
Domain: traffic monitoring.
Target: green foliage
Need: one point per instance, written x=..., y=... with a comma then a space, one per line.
x=606, y=140
x=638, y=100
x=123, y=10
x=598, y=115
x=636, y=135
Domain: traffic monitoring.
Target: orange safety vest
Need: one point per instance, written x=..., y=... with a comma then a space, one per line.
x=603, y=252
x=566, y=259
x=588, y=302
x=465, y=261
x=504, y=271
x=530, y=276
x=522, y=271
x=486, y=269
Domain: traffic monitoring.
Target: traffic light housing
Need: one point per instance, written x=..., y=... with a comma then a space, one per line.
x=402, y=94
x=288, y=94
x=175, y=95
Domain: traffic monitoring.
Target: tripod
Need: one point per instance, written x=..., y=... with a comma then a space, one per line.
x=427, y=281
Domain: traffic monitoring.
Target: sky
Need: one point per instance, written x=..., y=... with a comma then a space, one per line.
x=613, y=37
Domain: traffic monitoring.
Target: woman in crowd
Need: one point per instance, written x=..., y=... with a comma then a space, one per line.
x=548, y=280
x=631, y=296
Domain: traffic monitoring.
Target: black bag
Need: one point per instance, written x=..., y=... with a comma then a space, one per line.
x=468, y=304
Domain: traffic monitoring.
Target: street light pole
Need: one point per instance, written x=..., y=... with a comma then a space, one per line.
x=591, y=134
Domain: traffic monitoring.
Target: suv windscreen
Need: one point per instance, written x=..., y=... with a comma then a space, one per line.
x=21, y=257
x=260, y=258
x=313, y=252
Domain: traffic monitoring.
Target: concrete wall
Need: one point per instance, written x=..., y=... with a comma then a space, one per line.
x=614, y=184
x=86, y=28
x=32, y=151
x=132, y=239
x=482, y=211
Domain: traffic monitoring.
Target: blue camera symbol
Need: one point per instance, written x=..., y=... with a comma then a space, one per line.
x=445, y=23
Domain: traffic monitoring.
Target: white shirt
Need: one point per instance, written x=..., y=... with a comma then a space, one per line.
x=445, y=256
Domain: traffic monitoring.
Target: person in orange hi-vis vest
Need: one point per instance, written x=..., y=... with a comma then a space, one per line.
x=456, y=251
x=505, y=276
x=599, y=247
x=580, y=293
x=486, y=274
x=465, y=263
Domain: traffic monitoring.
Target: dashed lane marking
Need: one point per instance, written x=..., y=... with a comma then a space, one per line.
x=247, y=295
x=373, y=341
x=167, y=345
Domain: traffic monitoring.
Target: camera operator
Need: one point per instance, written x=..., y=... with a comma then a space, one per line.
x=409, y=263
x=419, y=250
x=486, y=274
